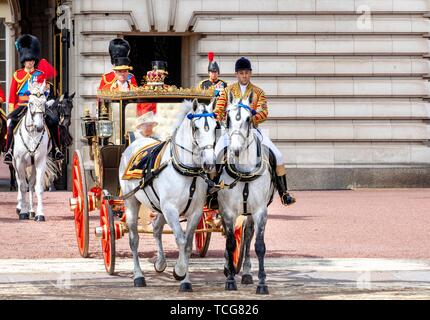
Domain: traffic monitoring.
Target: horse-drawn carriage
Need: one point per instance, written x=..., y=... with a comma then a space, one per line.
x=95, y=170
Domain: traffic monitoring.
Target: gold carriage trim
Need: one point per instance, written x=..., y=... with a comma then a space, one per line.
x=148, y=91
x=130, y=173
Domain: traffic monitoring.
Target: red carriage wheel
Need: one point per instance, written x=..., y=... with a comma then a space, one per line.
x=107, y=225
x=239, y=234
x=203, y=238
x=80, y=203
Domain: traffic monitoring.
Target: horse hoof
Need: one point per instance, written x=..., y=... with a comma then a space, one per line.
x=140, y=282
x=262, y=289
x=161, y=270
x=185, y=287
x=39, y=218
x=178, y=278
x=230, y=285
x=24, y=216
x=247, y=279
x=32, y=214
x=18, y=211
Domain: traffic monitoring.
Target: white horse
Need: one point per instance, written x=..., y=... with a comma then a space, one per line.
x=178, y=192
x=249, y=190
x=30, y=154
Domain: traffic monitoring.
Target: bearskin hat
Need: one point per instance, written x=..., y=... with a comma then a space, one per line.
x=118, y=51
x=28, y=47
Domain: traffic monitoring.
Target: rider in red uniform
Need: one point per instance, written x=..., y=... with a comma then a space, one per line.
x=118, y=51
x=28, y=47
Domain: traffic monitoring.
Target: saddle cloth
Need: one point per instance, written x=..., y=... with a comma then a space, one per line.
x=145, y=160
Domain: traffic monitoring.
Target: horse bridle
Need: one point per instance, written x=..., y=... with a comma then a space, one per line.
x=196, y=146
x=240, y=105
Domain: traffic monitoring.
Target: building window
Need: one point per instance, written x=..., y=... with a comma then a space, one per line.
x=2, y=55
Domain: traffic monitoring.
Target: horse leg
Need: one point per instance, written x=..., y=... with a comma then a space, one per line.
x=13, y=183
x=260, y=219
x=249, y=233
x=22, y=191
x=228, y=220
x=31, y=191
x=39, y=188
x=158, y=225
x=171, y=215
x=19, y=198
x=192, y=222
x=131, y=212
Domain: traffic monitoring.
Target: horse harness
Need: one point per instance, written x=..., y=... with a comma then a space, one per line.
x=31, y=152
x=181, y=168
x=244, y=176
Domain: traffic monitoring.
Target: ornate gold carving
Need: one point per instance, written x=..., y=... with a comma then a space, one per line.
x=148, y=91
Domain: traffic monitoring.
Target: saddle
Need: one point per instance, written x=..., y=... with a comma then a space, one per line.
x=145, y=161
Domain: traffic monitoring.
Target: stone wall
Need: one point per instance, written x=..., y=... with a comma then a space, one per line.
x=347, y=81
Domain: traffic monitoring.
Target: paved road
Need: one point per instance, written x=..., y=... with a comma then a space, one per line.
x=322, y=224
x=287, y=279
x=351, y=244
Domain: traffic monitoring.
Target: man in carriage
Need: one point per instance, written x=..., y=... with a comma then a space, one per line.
x=213, y=81
x=34, y=70
x=242, y=90
x=120, y=78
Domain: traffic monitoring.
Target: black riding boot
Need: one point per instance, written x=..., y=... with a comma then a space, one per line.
x=57, y=154
x=281, y=184
x=7, y=159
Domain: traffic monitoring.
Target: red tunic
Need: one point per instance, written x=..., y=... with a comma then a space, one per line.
x=2, y=96
x=18, y=89
x=110, y=77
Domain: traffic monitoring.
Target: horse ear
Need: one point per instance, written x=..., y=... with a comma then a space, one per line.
x=230, y=97
x=251, y=97
x=61, y=98
x=43, y=87
x=30, y=86
x=72, y=96
x=66, y=94
x=195, y=105
x=213, y=104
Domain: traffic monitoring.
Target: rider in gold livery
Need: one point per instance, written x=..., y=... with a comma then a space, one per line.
x=242, y=90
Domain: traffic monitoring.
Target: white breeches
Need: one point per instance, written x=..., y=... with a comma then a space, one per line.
x=223, y=142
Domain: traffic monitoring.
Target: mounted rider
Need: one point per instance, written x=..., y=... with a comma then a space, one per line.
x=28, y=47
x=213, y=81
x=242, y=90
x=119, y=79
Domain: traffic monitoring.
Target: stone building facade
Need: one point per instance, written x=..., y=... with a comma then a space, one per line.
x=347, y=81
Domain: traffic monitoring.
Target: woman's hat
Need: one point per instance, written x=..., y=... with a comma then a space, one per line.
x=146, y=118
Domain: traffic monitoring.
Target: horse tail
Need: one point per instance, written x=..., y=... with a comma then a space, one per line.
x=52, y=172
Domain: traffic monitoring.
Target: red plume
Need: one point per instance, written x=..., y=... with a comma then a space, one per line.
x=47, y=68
x=210, y=56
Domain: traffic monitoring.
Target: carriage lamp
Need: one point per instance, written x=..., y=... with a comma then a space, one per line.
x=88, y=125
x=104, y=125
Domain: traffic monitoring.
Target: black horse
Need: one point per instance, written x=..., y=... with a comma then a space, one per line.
x=61, y=109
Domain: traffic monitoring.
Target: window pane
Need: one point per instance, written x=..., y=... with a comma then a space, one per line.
x=2, y=71
x=2, y=50
x=2, y=29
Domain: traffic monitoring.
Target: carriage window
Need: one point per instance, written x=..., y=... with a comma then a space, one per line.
x=166, y=116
